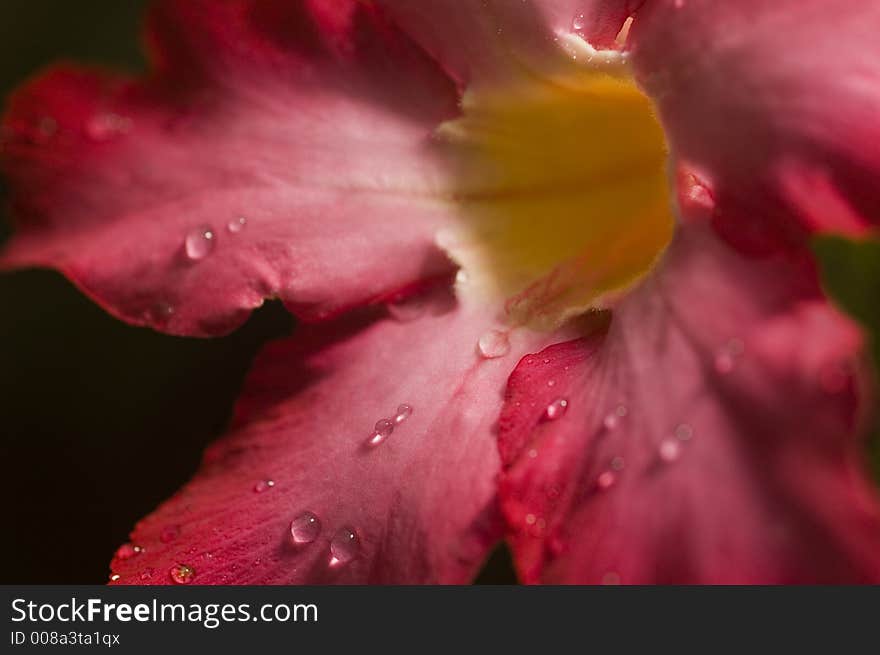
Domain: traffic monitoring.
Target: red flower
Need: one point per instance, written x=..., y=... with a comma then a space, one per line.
x=625, y=396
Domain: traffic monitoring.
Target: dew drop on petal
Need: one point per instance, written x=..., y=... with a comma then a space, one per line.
x=556, y=409
x=697, y=193
x=127, y=551
x=723, y=363
x=494, y=343
x=381, y=431
x=263, y=485
x=344, y=547
x=305, y=528
x=578, y=23
x=683, y=432
x=147, y=573
x=169, y=533
x=669, y=450
x=725, y=358
x=461, y=276
x=612, y=420
x=606, y=480
x=530, y=519
x=161, y=312
x=115, y=577
x=403, y=413
x=617, y=463
x=182, y=574
x=200, y=242
x=236, y=225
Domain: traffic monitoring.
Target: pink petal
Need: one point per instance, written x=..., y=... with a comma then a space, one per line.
x=482, y=40
x=422, y=501
x=763, y=99
x=309, y=120
x=710, y=436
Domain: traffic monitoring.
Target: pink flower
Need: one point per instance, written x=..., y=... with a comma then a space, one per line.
x=627, y=388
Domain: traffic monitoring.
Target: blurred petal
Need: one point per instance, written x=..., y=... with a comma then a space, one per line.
x=422, y=503
x=710, y=436
x=278, y=149
x=767, y=99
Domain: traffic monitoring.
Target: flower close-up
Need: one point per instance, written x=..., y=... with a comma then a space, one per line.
x=551, y=266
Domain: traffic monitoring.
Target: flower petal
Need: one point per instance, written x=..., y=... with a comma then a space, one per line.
x=487, y=40
x=422, y=502
x=765, y=99
x=278, y=148
x=707, y=437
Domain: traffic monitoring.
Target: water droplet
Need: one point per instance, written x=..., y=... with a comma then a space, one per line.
x=532, y=453
x=461, y=276
x=578, y=23
x=160, y=312
x=147, y=573
x=115, y=577
x=612, y=420
x=182, y=574
x=236, y=225
x=381, y=431
x=408, y=309
x=669, y=450
x=556, y=409
x=169, y=533
x=127, y=551
x=530, y=519
x=263, y=485
x=606, y=480
x=725, y=358
x=200, y=242
x=344, y=547
x=617, y=463
x=551, y=383
x=494, y=343
x=698, y=193
x=305, y=528
x=683, y=432
x=403, y=413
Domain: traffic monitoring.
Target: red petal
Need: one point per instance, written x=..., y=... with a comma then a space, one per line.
x=709, y=436
x=308, y=119
x=764, y=99
x=422, y=502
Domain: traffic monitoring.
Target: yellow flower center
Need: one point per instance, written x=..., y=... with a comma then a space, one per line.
x=561, y=185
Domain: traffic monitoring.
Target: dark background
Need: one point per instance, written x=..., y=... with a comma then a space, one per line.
x=100, y=421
